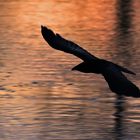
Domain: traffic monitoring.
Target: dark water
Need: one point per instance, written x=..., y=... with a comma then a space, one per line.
x=40, y=97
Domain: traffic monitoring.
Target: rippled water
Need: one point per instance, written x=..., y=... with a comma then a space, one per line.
x=40, y=97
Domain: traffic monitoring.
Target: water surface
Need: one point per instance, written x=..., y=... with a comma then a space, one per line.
x=40, y=97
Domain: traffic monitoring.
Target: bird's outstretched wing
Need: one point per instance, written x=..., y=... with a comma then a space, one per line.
x=119, y=84
x=59, y=43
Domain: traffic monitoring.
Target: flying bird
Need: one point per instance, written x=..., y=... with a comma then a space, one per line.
x=112, y=72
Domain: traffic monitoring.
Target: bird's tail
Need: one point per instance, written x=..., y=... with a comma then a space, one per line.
x=124, y=69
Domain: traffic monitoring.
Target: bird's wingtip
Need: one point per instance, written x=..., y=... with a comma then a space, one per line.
x=42, y=27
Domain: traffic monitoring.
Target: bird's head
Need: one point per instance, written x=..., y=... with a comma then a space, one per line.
x=76, y=68
x=82, y=67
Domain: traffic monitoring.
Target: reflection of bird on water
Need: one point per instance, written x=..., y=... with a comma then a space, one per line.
x=119, y=118
x=112, y=73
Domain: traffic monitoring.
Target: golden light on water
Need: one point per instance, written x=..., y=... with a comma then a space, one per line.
x=40, y=97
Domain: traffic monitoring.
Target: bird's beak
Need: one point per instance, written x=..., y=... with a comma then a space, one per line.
x=74, y=68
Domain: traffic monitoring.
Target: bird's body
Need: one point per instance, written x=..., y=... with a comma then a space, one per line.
x=112, y=72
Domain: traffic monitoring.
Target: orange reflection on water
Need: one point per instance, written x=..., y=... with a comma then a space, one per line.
x=40, y=96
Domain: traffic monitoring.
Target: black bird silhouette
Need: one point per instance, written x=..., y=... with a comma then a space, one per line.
x=112, y=72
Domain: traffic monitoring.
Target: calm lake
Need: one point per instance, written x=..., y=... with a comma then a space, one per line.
x=40, y=97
